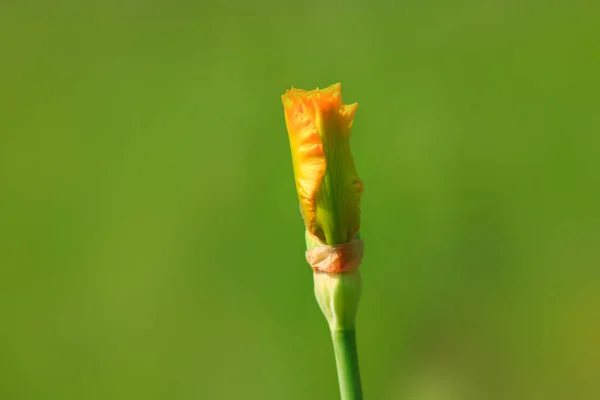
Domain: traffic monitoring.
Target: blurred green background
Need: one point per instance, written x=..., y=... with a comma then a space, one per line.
x=151, y=245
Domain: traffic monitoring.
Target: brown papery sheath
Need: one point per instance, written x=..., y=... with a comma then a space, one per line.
x=339, y=258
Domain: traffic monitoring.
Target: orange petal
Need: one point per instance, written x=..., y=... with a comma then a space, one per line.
x=319, y=125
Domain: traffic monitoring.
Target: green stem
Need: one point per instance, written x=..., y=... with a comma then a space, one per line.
x=346, y=358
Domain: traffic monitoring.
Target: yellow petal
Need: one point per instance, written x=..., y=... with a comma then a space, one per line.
x=328, y=186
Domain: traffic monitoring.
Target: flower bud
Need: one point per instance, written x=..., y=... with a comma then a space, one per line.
x=327, y=184
x=329, y=191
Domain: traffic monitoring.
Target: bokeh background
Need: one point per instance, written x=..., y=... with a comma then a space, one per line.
x=151, y=245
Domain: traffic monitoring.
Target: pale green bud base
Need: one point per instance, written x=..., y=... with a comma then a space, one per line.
x=338, y=296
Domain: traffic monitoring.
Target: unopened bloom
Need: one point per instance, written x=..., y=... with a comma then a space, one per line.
x=328, y=186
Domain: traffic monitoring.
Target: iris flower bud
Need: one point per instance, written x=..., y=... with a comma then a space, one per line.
x=328, y=186
x=329, y=191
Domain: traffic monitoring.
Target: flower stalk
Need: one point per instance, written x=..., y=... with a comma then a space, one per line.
x=346, y=359
x=329, y=191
